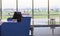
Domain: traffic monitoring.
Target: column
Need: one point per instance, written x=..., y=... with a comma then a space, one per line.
x=0, y=9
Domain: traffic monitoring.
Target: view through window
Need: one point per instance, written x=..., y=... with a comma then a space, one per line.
x=40, y=10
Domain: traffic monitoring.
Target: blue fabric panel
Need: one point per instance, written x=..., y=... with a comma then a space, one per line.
x=0, y=30
x=16, y=29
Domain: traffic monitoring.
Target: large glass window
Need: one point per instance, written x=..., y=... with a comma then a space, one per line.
x=40, y=12
x=25, y=7
x=40, y=8
x=54, y=10
x=8, y=7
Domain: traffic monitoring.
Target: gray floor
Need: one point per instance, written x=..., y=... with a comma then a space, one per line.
x=47, y=31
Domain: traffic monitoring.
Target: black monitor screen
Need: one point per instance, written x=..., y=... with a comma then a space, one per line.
x=18, y=16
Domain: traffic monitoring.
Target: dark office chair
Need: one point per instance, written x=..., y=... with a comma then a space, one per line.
x=18, y=16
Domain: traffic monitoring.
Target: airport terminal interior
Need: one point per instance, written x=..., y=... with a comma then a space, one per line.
x=29, y=18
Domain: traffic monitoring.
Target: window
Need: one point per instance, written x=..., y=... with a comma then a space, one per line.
x=54, y=10
x=25, y=7
x=8, y=7
x=40, y=12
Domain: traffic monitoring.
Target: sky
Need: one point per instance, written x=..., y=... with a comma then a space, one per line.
x=28, y=4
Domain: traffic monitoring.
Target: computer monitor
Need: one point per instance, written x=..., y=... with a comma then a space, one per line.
x=18, y=16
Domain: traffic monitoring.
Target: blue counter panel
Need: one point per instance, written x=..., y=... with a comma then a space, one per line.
x=16, y=29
